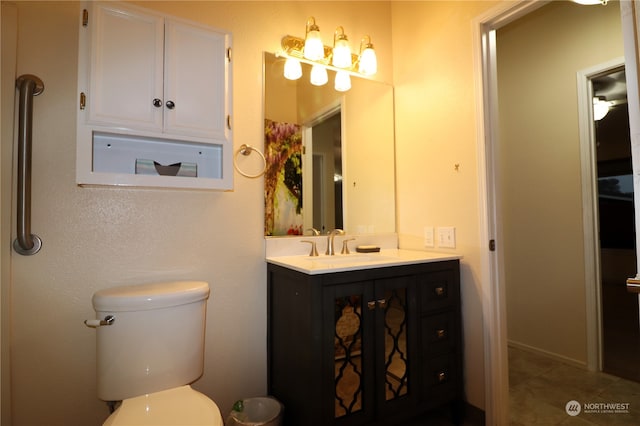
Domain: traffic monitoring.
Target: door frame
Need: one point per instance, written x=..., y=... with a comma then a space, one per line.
x=496, y=364
x=492, y=262
x=590, y=214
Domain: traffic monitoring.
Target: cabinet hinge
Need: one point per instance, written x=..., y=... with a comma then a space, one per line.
x=229, y=122
x=85, y=17
x=83, y=100
x=492, y=245
x=229, y=54
x=304, y=150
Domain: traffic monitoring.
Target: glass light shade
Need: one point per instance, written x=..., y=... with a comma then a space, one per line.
x=313, y=47
x=600, y=109
x=341, y=53
x=342, y=82
x=368, y=62
x=319, y=75
x=292, y=69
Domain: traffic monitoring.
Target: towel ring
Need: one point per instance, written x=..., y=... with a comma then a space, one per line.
x=247, y=150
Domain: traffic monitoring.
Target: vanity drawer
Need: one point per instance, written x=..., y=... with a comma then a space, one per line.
x=440, y=377
x=439, y=333
x=438, y=289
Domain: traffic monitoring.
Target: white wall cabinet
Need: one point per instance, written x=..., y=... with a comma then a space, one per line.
x=145, y=80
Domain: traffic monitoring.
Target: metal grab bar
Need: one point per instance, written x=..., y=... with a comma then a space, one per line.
x=26, y=243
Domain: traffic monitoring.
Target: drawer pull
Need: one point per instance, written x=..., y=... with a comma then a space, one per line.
x=442, y=377
x=441, y=334
x=439, y=291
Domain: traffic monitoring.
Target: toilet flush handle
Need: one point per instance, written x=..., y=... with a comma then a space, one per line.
x=108, y=320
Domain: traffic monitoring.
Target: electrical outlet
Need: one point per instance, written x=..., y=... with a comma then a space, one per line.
x=446, y=237
x=428, y=236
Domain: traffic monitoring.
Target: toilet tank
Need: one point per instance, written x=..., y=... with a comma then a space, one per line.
x=156, y=340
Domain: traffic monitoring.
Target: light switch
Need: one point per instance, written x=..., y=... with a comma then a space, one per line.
x=428, y=236
x=446, y=237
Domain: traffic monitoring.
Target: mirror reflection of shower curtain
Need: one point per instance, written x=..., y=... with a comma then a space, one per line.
x=283, y=178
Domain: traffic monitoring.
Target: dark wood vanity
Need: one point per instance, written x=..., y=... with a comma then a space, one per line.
x=364, y=347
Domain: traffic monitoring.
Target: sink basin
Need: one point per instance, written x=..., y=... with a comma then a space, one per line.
x=352, y=262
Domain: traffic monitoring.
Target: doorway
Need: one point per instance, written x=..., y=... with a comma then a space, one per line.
x=327, y=173
x=564, y=332
x=617, y=233
x=540, y=168
x=322, y=160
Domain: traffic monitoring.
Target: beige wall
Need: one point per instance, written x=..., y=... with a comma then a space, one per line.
x=538, y=58
x=95, y=238
x=436, y=128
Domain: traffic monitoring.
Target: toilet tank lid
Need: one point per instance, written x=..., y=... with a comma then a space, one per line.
x=149, y=296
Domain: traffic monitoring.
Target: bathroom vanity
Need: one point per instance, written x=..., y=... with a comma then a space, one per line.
x=364, y=339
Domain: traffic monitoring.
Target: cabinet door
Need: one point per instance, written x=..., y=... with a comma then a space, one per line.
x=396, y=345
x=196, y=81
x=126, y=68
x=350, y=380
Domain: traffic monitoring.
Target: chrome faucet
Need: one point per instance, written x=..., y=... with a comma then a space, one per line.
x=331, y=234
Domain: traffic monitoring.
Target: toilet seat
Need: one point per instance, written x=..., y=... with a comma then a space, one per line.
x=182, y=406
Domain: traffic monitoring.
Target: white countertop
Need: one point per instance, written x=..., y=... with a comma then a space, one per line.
x=356, y=261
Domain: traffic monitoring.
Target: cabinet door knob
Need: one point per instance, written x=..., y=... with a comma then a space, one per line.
x=382, y=303
x=439, y=291
x=441, y=377
x=170, y=104
x=441, y=334
x=371, y=305
x=157, y=103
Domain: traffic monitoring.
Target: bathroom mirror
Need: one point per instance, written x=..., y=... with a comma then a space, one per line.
x=330, y=154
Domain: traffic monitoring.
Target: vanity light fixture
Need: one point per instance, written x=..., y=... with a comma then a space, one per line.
x=367, y=61
x=341, y=53
x=310, y=50
x=319, y=75
x=292, y=69
x=313, y=47
x=343, y=81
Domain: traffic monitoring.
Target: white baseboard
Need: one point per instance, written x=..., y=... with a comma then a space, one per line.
x=552, y=355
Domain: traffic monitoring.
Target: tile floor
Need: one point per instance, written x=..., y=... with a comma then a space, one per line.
x=541, y=387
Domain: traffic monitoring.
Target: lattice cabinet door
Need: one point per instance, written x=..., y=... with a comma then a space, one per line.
x=351, y=357
x=396, y=344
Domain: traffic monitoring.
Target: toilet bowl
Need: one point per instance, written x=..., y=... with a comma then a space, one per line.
x=150, y=349
x=182, y=406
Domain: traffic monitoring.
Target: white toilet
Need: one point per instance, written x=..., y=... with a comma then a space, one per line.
x=150, y=347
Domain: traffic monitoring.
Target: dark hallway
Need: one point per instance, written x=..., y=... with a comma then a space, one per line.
x=621, y=334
